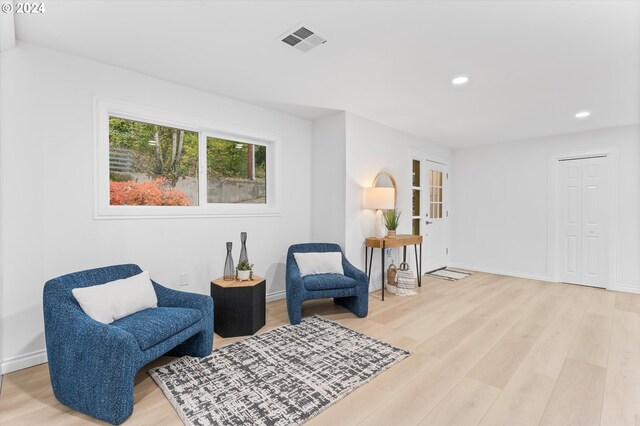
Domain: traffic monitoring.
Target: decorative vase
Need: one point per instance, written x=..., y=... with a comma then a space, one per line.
x=229, y=268
x=391, y=233
x=244, y=275
x=243, y=249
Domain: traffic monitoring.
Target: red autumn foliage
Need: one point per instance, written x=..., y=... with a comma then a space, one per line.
x=156, y=192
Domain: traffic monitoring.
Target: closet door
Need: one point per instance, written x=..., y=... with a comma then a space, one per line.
x=594, y=232
x=570, y=220
x=582, y=203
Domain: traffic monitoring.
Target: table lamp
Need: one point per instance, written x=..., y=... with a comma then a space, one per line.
x=379, y=199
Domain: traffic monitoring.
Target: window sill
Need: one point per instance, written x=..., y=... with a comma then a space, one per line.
x=129, y=213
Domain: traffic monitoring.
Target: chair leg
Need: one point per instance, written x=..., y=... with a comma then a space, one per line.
x=359, y=305
x=200, y=344
x=294, y=308
x=108, y=396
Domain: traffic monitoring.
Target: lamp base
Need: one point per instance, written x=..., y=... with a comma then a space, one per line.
x=380, y=231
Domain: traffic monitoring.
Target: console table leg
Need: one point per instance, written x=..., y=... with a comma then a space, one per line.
x=415, y=249
x=382, y=266
x=420, y=282
x=366, y=256
x=370, y=264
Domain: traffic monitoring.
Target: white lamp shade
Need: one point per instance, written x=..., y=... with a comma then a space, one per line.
x=379, y=198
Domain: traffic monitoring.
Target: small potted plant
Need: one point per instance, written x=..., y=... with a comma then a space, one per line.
x=244, y=271
x=391, y=221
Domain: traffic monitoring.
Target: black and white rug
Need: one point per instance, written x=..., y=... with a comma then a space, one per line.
x=282, y=377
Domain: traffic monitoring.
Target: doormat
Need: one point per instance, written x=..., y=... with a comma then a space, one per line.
x=449, y=274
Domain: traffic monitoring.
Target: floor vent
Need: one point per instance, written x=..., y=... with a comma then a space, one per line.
x=302, y=38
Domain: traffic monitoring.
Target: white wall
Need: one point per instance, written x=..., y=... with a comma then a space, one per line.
x=328, y=177
x=47, y=190
x=501, y=203
x=373, y=148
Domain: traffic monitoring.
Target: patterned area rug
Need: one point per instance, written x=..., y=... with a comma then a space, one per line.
x=282, y=377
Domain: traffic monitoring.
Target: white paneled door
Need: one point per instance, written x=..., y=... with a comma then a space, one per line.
x=582, y=228
x=435, y=217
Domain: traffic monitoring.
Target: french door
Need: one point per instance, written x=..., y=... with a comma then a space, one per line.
x=431, y=212
x=582, y=221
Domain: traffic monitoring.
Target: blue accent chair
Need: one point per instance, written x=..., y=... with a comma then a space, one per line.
x=350, y=290
x=93, y=365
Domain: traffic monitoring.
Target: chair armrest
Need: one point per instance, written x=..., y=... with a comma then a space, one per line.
x=353, y=272
x=182, y=299
x=74, y=340
x=293, y=282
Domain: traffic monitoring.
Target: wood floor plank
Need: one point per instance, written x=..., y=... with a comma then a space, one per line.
x=446, y=339
x=465, y=405
x=577, y=396
x=628, y=302
x=427, y=389
x=497, y=366
x=548, y=354
x=621, y=405
x=368, y=398
x=546, y=306
x=522, y=402
x=603, y=302
x=591, y=343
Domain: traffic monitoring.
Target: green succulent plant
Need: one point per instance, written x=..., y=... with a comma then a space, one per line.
x=243, y=265
x=392, y=219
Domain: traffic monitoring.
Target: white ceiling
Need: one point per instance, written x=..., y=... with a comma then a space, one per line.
x=532, y=64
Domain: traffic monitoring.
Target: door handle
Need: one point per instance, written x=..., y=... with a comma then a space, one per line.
x=427, y=222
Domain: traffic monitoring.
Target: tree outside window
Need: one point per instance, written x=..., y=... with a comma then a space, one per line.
x=154, y=165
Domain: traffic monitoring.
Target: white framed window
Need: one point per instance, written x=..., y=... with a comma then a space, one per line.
x=153, y=163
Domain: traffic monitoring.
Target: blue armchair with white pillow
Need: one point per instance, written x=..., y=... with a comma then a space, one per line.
x=93, y=364
x=346, y=284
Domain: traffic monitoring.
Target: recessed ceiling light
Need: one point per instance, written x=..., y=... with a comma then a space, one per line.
x=460, y=80
x=583, y=114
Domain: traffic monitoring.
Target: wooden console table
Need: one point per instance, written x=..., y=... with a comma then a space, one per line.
x=392, y=242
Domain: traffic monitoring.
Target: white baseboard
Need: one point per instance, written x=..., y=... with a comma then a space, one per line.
x=620, y=287
x=517, y=274
x=23, y=361
x=626, y=288
x=277, y=295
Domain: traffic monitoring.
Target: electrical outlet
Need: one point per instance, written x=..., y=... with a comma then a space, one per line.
x=184, y=279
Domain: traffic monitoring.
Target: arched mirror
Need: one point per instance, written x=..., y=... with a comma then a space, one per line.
x=386, y=180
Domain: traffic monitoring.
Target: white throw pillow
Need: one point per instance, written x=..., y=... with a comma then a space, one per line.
x=319, y=263
x=117, y=299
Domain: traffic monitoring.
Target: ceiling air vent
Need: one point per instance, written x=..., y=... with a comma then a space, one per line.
x=302, y=38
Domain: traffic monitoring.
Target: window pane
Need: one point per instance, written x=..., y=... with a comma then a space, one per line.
x=236, y=172
x=416, y=202
x=416, y=227
x=152, y=165
x=416, y=173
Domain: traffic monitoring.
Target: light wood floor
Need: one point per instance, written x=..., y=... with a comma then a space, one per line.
x=487, y=350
